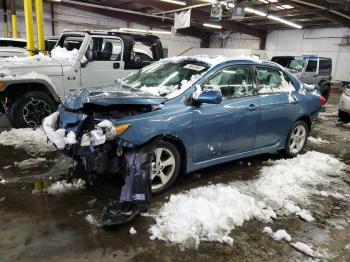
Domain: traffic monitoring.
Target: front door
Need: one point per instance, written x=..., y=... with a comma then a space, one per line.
x=230, y=127
x=107, y=64
x=311, y=72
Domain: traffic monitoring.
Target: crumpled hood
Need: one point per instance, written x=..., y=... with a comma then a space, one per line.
x=112, y=94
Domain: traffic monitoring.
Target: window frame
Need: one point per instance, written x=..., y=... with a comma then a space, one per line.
x=257, y=84
x=250, y=70
x=109, y=37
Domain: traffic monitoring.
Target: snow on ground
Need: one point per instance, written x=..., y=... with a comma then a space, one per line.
x=280, y=235
x=317, y=141
x=304, y=248
x=132, y=231
x=32, y=141
x=30, y=163
x=91, y=220
x=62, y=187
x=210, y=213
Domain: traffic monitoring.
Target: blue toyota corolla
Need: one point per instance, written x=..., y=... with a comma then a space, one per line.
x=197, y=111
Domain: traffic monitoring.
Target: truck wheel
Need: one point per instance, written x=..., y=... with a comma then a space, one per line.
x=30, y=109
x=343, y=116
x=325, y=91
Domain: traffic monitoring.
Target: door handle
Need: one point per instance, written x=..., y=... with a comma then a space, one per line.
x=252, y=107
x=116, y=65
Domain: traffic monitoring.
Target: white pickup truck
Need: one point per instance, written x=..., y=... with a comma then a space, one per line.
x=31, y=87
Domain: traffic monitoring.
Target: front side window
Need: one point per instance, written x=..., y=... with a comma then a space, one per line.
x=271, y=80
x=106, y=49
x=233, y=82
x=311, y=66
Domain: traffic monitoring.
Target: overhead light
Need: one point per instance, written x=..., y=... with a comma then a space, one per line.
x=212, y=26
x=284, y=21
x=287, y=6
x=174, y=2
x=273, y=1
x=124, y=29
x=159, y=32
x=264, y=1
x=253, y=11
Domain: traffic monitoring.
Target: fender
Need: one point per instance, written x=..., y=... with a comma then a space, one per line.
x=13, y=85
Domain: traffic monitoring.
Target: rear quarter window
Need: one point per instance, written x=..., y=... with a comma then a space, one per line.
x=325, y=67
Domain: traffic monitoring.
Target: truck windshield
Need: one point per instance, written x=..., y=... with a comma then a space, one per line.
x=70, y=42
x=165, y=77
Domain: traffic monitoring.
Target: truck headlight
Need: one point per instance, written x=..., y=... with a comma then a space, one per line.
x=121, y=129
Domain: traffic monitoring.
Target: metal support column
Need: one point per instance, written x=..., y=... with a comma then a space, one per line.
x=6, y=30
x=28, y=18
x=40, y=25
x=14, y=19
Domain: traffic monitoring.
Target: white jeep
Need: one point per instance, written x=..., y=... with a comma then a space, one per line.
x=31, y=87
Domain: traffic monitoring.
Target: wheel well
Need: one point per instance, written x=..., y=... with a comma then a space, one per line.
x=14, y=90
x=307, y=120
x=180, y=146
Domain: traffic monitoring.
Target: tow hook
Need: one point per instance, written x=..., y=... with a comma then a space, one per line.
x=119, y=151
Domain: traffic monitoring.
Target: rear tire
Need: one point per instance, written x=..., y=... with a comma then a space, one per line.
x=325, y=91
x=166, y=167
x=343, y=116
x=296, y=139
x=30, y=109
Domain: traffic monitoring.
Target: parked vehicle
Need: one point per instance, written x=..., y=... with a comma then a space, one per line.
x=312, y=70
x=80, y=59
x=199, y=111
x=344, y=104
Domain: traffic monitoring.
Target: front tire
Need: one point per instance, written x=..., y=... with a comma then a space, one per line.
x=325, y=91
x=166, y=166
x=296, y=139
x=30, y=109
x=343, y=116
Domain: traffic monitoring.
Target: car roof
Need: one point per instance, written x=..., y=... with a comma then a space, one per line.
x=109, y=32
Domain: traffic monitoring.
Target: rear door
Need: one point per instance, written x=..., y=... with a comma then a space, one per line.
x=230, y=127
x=311, y=72
x=107, y=65
x=278, y=105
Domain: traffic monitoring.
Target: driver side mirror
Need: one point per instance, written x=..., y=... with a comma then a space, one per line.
x=209, y=97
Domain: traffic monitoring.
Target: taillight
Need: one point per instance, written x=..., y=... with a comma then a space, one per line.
x=322, y=100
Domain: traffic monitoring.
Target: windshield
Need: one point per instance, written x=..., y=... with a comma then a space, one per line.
x=296, y=64
x=166, y=77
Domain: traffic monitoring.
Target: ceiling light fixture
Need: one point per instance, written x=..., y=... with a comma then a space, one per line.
x=276, y=18
x=253, y=11
x=124, y=29
x=174, y=2
x=212, y=26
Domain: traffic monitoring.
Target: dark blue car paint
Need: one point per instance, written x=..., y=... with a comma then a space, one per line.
x=213, y=134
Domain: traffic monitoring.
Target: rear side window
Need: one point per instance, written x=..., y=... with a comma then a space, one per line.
x=233, y=82
x=325, y=67
x=271, y=80
x=311, y=66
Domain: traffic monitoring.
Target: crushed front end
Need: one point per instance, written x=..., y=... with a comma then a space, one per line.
x=91, y=135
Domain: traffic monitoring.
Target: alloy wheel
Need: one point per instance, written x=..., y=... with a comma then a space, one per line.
x=34, y=111
x=163, y=168
x=297, y=139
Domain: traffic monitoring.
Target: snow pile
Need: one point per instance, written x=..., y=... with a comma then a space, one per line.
x=30, y=163
x=57, y=137
x=305, y=215
x=304, y=248
x=27, y=59
x=280, y=235
x=33, y=141
x=61, y=187
x=317, y=141
x=211, y=212
x=91, y=220
x=61, y=53
x=132, y=231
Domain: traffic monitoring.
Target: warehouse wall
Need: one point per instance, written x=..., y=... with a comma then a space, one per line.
x=323, y=42
x=234, y=40
x=75, y=19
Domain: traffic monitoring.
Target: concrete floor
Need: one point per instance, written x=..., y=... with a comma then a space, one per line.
x=52, y=228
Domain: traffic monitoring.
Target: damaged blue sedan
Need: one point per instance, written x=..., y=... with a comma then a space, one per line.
x=196, y=112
